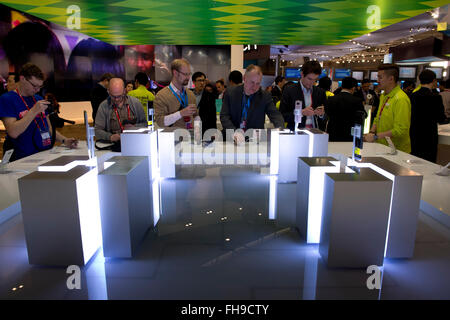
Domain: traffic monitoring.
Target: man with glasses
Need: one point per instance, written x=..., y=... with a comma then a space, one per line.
x=24, y=114
x=118, y=112
x=174, y=105
x=206, y=102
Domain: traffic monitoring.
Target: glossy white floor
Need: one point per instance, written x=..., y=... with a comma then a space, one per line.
x=217, y=239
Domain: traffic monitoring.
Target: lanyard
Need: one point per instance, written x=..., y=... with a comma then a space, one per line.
x=245, y=107
x=384, y=104
x=26, y=105
x=118, y=117
x=181, y=99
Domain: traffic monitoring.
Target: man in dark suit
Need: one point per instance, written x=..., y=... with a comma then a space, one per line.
x=245, y=106
x=311, y=97
x=277, y=89
x=206, y=102
x=369, y=97
x=100, y=93
x=343, y=111
x=427, y=110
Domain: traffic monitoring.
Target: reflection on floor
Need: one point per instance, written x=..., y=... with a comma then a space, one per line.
x=217, y=239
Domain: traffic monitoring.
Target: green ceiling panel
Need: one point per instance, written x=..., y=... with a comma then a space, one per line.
x=208, y=22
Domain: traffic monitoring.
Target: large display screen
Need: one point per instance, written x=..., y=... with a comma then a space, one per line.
x=437, y=71
x=342, y=73
x=358, y=75
x=373, y=75
x=292, y=73
x=407, y=72
x=324, y=73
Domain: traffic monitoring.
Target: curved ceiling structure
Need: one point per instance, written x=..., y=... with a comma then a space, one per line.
x=207, y=22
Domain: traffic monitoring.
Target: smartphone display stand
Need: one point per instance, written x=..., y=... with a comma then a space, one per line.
x=90, y=134
x=357, y=142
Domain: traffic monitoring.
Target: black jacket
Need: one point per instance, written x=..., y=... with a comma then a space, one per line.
x=295, y=92
x=261, y=104
x=98, y=95
x=207, y=111
x=427, y=110
x=276, y=94
x=343, y=111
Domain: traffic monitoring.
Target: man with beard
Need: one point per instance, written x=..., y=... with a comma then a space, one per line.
x=174, y=105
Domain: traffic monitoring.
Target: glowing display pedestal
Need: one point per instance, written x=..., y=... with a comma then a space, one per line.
x=125, y=205
x=291, y=147
x=355, y=219
x=166, y=152
x=405, y=202
x=310, y=184
x=142, y=143
x=61, y=216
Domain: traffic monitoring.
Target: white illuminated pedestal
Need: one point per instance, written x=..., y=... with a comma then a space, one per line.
x=291, y=146
x=61, y=216
x=355, y=218
x=404, y=206
x=142, y=143
x=125, y=205
x=310, y=184
x=286, y=147
x=318, y=142
x=166, y=152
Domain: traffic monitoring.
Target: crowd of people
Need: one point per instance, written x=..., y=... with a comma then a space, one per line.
x=408, y=115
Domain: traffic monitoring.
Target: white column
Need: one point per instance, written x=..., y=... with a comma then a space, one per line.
x=237, y=58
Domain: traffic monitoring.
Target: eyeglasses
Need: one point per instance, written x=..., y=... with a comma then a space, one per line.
x=185, y=74
x=200, y=80
x=34, y=86
x=116, y=97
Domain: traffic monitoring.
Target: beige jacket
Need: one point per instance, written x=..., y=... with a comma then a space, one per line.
x=166, y=103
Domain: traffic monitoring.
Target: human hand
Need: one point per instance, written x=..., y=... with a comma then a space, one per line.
x=189, y=110
x=71, y=143
x=238, y=137
x=40, y=106
x=115, y=137
x=319, y=111
x=308, y=111
x=369, y=137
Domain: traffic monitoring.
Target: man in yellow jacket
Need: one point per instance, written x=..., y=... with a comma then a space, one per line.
x=393, y=118
x=143, y=95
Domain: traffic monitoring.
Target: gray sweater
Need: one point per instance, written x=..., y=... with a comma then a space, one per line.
x=103, y=117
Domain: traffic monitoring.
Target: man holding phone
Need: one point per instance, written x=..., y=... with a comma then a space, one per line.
x=118, y=112
x=174, y=105
x=24, y=114
x=311, y=97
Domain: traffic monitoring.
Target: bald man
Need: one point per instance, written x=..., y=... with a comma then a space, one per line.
x=117, y=113
x=245, y=106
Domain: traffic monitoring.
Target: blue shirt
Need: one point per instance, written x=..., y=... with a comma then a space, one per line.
x=30, y=141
